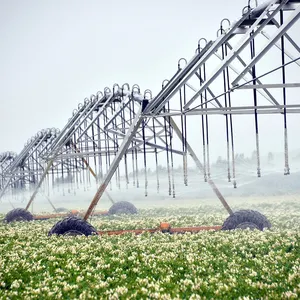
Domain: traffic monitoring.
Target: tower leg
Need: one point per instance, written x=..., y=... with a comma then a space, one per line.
x=114, y=165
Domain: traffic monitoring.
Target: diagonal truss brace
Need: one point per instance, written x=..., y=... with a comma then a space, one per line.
x=114, y=165
x=245, y=40
x=123, y=148
x=278, y=34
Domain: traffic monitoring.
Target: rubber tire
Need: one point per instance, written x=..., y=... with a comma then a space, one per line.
x=246, y=216
x=18, y=214
x=72, y=224
x=122, y=207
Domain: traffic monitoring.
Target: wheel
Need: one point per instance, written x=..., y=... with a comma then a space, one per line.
x=61, y=209
x=122, y=207
x=18, y=214
x=72, y=226
x=246, y=219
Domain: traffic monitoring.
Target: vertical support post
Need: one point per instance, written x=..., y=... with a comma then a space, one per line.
x=203, y=128
x=167, y=153
x=171, y=152
x=286, y=155
x=230, y=120
x=156, y=156
x=253, y=71
x=226, y=115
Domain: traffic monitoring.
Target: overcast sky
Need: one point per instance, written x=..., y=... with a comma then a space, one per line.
x=56, y=53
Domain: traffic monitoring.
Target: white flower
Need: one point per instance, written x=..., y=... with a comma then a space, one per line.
x=15, y=284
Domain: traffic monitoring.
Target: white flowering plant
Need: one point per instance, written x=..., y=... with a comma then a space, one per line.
x=239, y=264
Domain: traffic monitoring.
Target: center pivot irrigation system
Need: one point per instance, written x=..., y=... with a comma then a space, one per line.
x=252, y=68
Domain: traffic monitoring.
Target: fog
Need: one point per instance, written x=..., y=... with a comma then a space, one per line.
x=272, y=187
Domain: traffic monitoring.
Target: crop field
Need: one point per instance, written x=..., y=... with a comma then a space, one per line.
x=240, y=264
x=150, y=157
